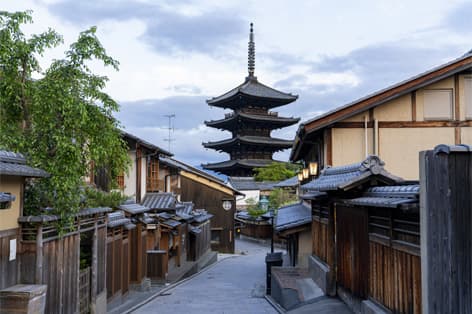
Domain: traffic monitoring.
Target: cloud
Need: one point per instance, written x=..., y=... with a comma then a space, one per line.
x=458, y=20
x=167, y=31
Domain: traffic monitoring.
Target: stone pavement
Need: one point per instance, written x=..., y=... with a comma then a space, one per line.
x=235, y=285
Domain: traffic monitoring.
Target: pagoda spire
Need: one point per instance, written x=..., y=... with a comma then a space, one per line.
x=251, y=60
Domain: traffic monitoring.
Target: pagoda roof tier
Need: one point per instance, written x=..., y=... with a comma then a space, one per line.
x=252, y=93
x=260, y=141
x=227, y=167
x=270, y=121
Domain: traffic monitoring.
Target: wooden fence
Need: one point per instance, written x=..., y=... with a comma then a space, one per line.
x=47, y=258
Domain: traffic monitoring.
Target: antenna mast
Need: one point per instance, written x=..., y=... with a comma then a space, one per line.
x=170, y=128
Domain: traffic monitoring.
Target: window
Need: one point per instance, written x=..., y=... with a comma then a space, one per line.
x=438, y=104
x=5, y=200
x=120, y=181
x=152, y=178
x=468, y=97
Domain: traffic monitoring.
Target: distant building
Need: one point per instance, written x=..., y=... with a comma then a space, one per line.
x=250, y=123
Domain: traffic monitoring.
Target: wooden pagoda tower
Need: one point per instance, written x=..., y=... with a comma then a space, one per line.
x=250, y=123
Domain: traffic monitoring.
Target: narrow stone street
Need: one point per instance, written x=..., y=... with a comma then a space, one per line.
x=236, y=284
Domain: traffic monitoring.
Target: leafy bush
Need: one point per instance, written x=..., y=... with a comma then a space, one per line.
x=276, y=171
x=281, y=197
x=253, y=208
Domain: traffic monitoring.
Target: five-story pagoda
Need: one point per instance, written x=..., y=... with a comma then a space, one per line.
x=250, y=123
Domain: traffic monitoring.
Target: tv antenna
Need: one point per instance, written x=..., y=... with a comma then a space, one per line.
x=170, y=128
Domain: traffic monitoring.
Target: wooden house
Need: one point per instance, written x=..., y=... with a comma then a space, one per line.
x=205, y=191
x=395, y=123
x=143, y=176
x=293, y=223
x=365, y=237
x=13, y=171
x=138, y=242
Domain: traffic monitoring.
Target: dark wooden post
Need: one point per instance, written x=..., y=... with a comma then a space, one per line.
x=446, y=236
x=39, y=255
x=94, y=288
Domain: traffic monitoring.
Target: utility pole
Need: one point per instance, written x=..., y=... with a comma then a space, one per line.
x=170, y=128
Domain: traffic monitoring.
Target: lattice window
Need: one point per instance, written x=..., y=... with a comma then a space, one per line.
x=120, y=181
x=152, y=179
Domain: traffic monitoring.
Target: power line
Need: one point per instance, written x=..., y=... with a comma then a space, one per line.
x=170, y=128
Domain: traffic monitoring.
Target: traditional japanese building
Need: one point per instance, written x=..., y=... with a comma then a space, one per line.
x=250, y=123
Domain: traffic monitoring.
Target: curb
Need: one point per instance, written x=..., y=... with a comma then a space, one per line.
x=274, y=304
x=174, y=285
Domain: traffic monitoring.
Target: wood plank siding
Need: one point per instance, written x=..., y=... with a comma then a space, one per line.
x=211, y=199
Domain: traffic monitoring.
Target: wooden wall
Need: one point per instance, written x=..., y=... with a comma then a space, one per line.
x=118, y=263
x=60, y=272
x=8, y=269
x=199, y=243
x=53, y=260
x=395, y=262
x=211, y=199
x=323, y=242
x=352, y=250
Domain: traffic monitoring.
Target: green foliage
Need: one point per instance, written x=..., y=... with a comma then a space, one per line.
x=98, y=198
x=253, y=208
x=281, y=197
x=63, y=119
x=276, y=171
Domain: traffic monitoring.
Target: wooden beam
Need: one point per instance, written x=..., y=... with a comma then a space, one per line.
x=404, y=124
x=138, y=173
x=371, y=114
x=457, y=111
x=413, y=106
x=329, y=148
x=457, y=136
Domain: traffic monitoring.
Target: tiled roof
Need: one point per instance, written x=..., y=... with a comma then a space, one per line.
x=345, y=177
x=270, y=121
x=183, y=166
x=14, y=164
x=404, y=196
x=146, y=144
x=202, y=217
x=249, y=183
x=117, y=219
x=252, y=88
x=185, y=210
x=50, y=218
x=290, y=182
x=163, y=201
x=277, y=143
x=6, y=197
x=292, y=216
x=134, y=208
x=249, y=163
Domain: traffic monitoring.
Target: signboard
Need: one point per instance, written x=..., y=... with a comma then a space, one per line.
x=12, y=250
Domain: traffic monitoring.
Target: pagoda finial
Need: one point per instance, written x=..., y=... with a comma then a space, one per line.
x=251, y=60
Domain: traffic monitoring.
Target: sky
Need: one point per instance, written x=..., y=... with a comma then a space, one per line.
x=175, y=54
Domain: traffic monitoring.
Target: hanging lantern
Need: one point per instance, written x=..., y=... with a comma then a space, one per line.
x=313, y=166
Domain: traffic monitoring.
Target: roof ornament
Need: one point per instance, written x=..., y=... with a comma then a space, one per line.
x=251, y=62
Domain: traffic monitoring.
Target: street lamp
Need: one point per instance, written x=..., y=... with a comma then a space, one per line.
x=264, y=202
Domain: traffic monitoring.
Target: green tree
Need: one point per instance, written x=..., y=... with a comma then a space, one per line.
x=281, y=197
x=276, y=171
x=60, y=117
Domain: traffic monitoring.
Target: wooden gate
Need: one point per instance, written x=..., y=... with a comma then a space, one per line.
x=84, y=290
x=352, y=244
